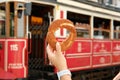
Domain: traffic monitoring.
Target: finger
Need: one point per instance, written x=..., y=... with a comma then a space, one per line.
x=50, y=52
x=49, y=49
x=58, y=47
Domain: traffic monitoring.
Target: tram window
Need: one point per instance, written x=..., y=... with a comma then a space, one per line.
x=117, y=35
x=82, y=24
x=20, y=22
x=11, y=34
x=101, y=28
x=99, y=34
x=83, y=30
x=116, y=30
x=12, y=25
x=17, y=23
x=2, y=20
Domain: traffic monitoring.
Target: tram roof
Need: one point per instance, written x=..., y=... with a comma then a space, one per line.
x=27, y=0
x=12, y=0
x=78, y=1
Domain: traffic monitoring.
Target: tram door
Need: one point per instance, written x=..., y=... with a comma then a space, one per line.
x=38, y=27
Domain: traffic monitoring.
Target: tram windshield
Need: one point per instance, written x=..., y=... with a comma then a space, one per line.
x=12, y=20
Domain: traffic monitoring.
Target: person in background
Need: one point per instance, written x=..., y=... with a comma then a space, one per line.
x=58, y=60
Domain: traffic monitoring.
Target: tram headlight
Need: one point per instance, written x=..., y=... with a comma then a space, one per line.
x=20, y=12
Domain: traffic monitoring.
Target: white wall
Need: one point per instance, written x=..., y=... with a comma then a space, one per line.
x=94, y=0
x=118, y=3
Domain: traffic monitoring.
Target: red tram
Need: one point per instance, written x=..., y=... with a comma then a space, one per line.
x=95, y=54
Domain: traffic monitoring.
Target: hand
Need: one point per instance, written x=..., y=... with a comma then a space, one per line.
x=56, y=57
